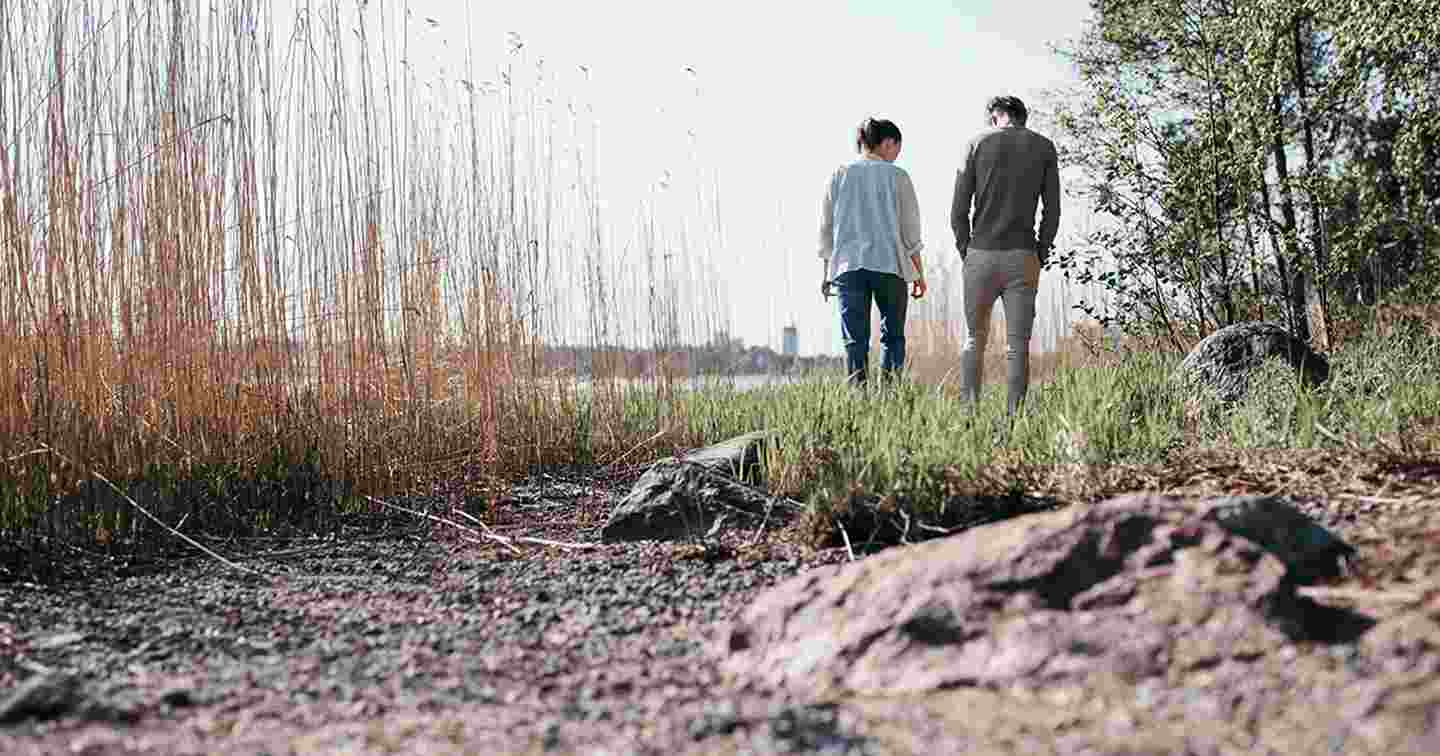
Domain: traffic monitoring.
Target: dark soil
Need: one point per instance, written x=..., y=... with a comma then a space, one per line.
x=426, y=639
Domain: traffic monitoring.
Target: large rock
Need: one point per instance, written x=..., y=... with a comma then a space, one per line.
x=1224, y=360
x=1126, y=588
x=683, y=497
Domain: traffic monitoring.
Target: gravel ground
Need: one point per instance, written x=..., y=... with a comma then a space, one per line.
x=426, y=642
x=429, y=640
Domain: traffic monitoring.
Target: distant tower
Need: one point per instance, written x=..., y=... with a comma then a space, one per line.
x=790, y=341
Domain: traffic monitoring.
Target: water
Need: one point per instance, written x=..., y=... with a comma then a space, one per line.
x=747, y=382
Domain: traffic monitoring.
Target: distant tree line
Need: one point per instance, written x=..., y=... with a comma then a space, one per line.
x=721, y=356
x=1253, y=159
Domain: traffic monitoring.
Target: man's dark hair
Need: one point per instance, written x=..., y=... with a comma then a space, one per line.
x=873, y=131
x=1008, y=104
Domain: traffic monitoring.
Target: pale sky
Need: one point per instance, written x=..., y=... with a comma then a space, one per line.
x=776, y=91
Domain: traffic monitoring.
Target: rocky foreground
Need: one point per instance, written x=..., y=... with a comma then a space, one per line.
x=1144, y=626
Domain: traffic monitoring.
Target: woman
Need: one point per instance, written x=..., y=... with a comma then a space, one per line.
x=870, y=247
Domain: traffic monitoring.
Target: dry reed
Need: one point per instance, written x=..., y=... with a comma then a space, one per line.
x=233, y=251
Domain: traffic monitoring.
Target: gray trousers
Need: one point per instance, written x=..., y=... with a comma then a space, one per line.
x=1013, y=276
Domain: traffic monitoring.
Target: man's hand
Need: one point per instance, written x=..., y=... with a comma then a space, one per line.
x=918, y=288
x=827, y=288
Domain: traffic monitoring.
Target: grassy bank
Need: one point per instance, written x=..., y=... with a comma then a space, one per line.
x=1092, y=428
x=1094, y=425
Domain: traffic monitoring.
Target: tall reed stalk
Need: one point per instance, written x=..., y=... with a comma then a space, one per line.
x=249, y=255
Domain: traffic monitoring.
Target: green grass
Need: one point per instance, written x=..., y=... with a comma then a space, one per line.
x=914, y=446
x=920, y=447
x=1382, y=393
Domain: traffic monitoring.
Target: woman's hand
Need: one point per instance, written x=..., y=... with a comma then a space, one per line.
x=918, y=288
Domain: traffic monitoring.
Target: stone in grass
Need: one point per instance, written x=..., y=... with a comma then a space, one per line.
x=683, y=497
x=1122, y=588
x=44, y=696
x=51, y=695
x=1223, y=361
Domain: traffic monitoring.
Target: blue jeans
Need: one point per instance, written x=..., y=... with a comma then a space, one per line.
x=858, y=288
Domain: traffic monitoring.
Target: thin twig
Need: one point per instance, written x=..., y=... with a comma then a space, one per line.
x=1321, y=592
x=1373, y=499
x=502, y=540
x=471, y=539
x=286, y=553
x=528, y=539
x=30, y=453
x=1333, y=436
x=157, y=520
x=846, y=535
x=559, y=544
x=760, y=531
x=472, y=518
x=633, y=449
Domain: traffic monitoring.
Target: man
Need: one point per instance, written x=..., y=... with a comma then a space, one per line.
x=1007, y=171
x=870, y=247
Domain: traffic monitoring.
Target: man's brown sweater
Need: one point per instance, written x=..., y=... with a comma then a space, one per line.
x=1006, y=172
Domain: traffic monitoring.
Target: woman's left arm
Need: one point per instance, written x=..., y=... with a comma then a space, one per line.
x=827, y=236
x=910, y=241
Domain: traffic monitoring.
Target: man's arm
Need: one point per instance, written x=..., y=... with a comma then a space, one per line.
x=960, y=203
x=1050, y=198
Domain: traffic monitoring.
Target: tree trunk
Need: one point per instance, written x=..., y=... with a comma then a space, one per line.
x=1295, y=281
x=1226, y=294
x=1254, y=269
x=1315, y=293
